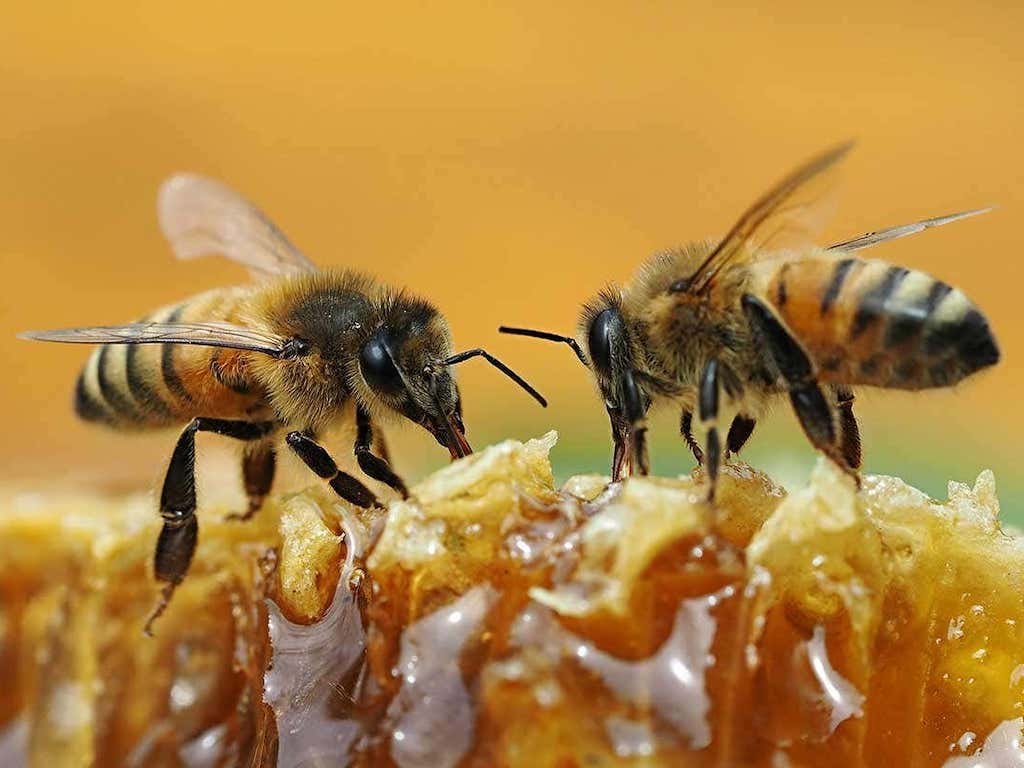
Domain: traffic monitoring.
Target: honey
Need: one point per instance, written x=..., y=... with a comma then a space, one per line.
x=495, y=620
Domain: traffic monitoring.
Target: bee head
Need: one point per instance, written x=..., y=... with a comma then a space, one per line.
x=613, y=361
x=611, y=357
x=388, y=350
x=402, y=369
x=405, y=366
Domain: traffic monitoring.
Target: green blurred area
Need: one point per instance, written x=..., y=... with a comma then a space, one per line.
x=788, y=461
x=927, y=458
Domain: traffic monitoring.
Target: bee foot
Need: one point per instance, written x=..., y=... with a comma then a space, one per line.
x=241, y=517
x=161, y=606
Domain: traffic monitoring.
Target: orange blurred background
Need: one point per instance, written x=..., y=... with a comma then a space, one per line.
x=506, y=162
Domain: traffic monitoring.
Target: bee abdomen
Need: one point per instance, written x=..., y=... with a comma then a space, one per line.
x=134, y=386
x=868, y=322
x=115, y=387
x=89, y=403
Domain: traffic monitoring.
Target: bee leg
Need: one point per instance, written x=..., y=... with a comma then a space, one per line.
x=817, y=418
x=620, y=443
x=816, y=415
x=849, y=432
x=180, y=533
x=380, y=446
x=686, y=430
x=374, y=466
x=258, y=465
x=316, y=457
x=618, y=459
x=642, y=460
x=739, y=432
x=707, y=408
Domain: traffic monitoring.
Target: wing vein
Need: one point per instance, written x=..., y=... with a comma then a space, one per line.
x=202, y=334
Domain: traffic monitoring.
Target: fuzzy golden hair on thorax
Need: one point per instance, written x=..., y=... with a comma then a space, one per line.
x=683, y=329
x=656, y=275
x=332, y=312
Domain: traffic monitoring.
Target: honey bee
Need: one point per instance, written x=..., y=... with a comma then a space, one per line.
x=764, y=313
x=288, y=354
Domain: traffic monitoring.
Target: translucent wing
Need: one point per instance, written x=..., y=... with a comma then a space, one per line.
x=204, y=334
x=894, y=233
x=200, y=216
x=789, y=214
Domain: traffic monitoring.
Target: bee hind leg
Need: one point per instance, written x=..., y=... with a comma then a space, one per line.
x=259, y=463
x=316, y=457
x=177, y=541
x=817, y=416
x=375, y=466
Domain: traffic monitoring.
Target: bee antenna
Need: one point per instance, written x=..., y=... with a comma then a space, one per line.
x=548, y=336
x=463, y=356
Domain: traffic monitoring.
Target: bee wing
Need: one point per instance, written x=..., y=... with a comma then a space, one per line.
x=894, y=233
x=790, y=213
x=203, y=334
x=200, y=216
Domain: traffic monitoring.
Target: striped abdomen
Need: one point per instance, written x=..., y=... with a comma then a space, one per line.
x=871, y=323
x=157, y=385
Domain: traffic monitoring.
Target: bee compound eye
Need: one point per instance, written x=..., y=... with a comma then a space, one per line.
x=599, y=338
x=378, y=367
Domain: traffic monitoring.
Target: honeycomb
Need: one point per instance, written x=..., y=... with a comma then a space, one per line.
x=496, y=620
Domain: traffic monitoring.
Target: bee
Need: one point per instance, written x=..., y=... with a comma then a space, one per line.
x=289, y=354
x=763, y=314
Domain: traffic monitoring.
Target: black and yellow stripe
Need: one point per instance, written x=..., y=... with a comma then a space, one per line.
x=137, y=377
x=142, y=385
x=872, y=323
x=116, y=388
x=168, y=368
x=89, y=402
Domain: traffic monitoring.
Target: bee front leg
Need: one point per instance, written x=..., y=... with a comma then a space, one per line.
x=621, y=445
x=641, y=456
x=376, y=467
x=177, y=541
x=817, y=416
x=739, y=432
x=849, y=432
x=316, y=457
x=707, y=408
x=380, y=446
x=686, y=430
